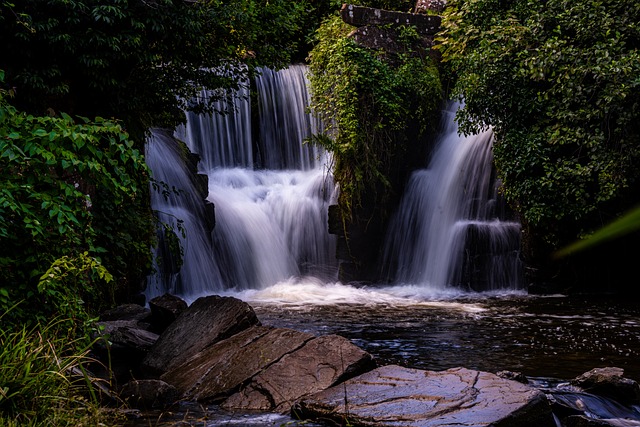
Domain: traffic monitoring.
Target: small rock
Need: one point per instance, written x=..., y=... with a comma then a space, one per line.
x=515, y=376
x=126, y=312
x=609, y=382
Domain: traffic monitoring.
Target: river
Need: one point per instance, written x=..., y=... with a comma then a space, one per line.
x=270, y=247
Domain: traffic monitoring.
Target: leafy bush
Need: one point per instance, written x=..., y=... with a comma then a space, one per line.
x=558, y=82
x=52, y=168
x=139, y=61
x=368, y=99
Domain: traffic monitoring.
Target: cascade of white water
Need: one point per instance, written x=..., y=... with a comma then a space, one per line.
x=446, y=231
x=178, y=207
x=270, y=224
x=281, y=121
x=230, y=128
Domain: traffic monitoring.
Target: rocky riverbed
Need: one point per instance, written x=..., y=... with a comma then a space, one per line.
x=216, y=352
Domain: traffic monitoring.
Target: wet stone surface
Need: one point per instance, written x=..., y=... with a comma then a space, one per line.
x=397, y=396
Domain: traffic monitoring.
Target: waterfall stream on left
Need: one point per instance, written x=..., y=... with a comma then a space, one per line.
x=270, y=210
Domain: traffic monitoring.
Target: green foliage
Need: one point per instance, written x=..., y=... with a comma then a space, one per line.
x=69, y=280
x=52, y=169
x=37, y=384
x=140, y=61
x=558, y=82
x=367, y=101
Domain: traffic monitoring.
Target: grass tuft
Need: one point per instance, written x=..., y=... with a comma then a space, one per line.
x=43, y=381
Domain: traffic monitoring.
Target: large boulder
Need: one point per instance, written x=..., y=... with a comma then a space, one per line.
x=398, y=397
x=207, y=321
x=219, y=370
x=319, y=364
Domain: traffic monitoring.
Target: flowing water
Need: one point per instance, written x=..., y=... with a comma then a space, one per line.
x=451, y=228
x=270, y=210
x=456, y=296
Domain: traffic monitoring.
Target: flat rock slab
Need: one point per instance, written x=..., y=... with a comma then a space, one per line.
x=218, y=371
x=319, y=364
x=398, y=397
x=205, y=322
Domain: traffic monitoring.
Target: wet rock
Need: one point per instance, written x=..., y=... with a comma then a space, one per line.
x=149, y=394
x=609, y=382
x=165, y=309
x=397, y=396
x=219, y=370
x=126, y=312
x=122, y=346
x=128, y=335
x=207, y=321
x=319, y=364
x=514, y=376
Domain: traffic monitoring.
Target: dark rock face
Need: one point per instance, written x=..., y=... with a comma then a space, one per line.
x=609, y=382
x=207, y=321
x=386, y=39
x=359, y=16
x=126, y=312
x=319, y=364
x=149, y=394
x=125, y=344
x=397, y=396
x=165, y=310
x=218, y=371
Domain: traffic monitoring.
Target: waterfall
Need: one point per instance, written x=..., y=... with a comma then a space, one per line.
x=450, y=228
x=282, y=121
x=230, y=128
x=271, y=193
x=178, y=208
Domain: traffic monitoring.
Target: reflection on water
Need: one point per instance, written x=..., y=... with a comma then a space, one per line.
x=558, y=337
